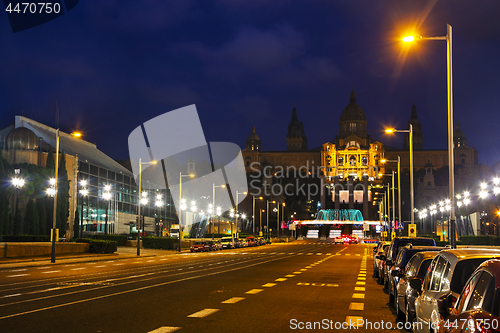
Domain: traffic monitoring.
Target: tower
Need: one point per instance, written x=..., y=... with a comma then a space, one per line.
x=418, y=137
x=296, y=139
x=253, y=141
x=459, y=139
x=352, y=120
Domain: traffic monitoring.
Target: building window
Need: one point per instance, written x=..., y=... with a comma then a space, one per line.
x=352, y=127
x=352, y=160
x=364, y=161
x=341, y=161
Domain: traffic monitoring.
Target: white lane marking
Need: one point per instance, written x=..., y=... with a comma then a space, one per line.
x=359, y=288
x=12, y=295
x=269, y=285
x=101, y=266
x=358, y=295
x=17, y=275
x=233, y=300
x=74, y=269
x=309, y=254
x=18, y=270
x=289, y=275
x=51, y=272
x=117, y=264
x=297, y=272
x=203, y=313
x=150, y=260
x=319, y=254
x=280, y=279
x=43, y=267
x=165, y=329
x=254, y=291
x=166, y=259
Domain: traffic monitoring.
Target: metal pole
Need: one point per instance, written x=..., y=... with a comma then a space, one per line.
x=139, y=210
x=213, y=211
x=253, y=216
x=267, y=219
x=393, y=203
x=412, y=198
x=399, y=190
x=278, y=219
x=450, y=134
x=180, y=209
x=53, y=253
x=237, y=213
x=81, y=219
x=106, y=221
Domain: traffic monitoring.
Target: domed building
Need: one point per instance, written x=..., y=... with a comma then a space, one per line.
x=350, y=161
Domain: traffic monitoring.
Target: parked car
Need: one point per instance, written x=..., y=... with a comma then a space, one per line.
x=477, y=308
x=396, y=245
x=250, y=241
x=448, y=273
x=338, y=240
x=227, y=243
x=405, y=254
x=406, y=295
x=198, y=247
x=243, y=242
x=378, y=250
x=381, y=265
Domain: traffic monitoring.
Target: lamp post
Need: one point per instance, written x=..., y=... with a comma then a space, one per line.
x=181, y=204
x=213, y=207
x=106, y=196
x=260, y=221
x=83, y=193
x=139, y=206
x=267, y=211
x=412, y=195
x=451, y=164
x=159, y=204
x=253, y=216
x=399, y=184
x=237, y=211
x=18, y=183
x=54, y=215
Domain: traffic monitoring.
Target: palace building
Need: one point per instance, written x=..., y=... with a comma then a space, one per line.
x=350, y=165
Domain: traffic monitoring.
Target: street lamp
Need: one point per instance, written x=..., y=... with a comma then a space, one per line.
x=448, y=39
x=237, y=211
x=253, y=216
x=412, y=195
x=159, y=204
x=83, y=193
x=18, y=183
x=106, y=196
x=399, y=184
x=267, y=211
x=153, y=162
x=213, y=206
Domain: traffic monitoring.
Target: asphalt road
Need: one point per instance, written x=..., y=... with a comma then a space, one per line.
x=304, y=286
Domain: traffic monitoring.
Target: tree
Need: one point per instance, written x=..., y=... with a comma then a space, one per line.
x=76, y=225
x=31, y=219
x=42, y=216
x=62, y=196
x=50, y=164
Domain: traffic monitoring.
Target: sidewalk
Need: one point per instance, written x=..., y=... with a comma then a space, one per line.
x=123, y=252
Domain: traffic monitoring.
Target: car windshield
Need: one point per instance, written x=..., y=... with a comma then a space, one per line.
x=463, y=271
x=198, y=243
x=226, y=240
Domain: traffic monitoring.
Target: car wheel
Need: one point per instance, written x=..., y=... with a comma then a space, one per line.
x=410, y=318
x=380, y=279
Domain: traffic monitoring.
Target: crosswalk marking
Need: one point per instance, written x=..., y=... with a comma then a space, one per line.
x=289, y=275
x=358, y=295
x=269, y=285
x=280, y=279
x=354, y=321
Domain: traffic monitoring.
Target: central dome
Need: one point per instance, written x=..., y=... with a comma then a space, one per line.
x=352, y=111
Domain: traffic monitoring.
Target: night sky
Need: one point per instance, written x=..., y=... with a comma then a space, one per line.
x=112, y=65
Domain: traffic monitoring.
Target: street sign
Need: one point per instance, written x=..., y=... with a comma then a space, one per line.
x=412, y=230
x=400, y=226
x=393, y=234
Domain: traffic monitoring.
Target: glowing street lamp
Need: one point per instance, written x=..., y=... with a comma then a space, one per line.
x=451, y=164
x=153, y=162
x=213, y=204
x=412, y=194
x=106, y=196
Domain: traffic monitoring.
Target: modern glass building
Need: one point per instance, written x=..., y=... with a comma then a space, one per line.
x=100, y=187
